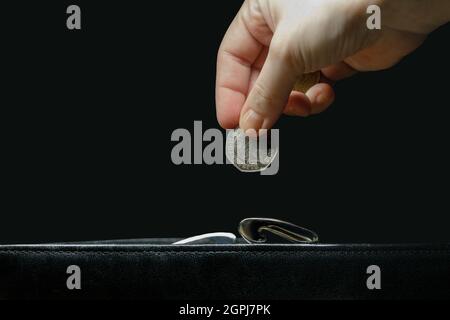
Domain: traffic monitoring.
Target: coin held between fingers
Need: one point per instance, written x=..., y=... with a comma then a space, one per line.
x=307, y=81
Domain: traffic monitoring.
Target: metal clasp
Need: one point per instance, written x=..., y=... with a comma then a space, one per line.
x=264, y=230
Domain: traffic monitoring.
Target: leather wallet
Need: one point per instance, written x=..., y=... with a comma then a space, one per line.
x=158, y=269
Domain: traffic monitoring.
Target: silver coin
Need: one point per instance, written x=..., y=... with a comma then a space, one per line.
x=246, y=153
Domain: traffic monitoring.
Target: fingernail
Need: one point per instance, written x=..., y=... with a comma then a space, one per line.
x=251, y=121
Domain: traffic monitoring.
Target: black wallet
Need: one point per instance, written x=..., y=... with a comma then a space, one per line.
x=211, y=268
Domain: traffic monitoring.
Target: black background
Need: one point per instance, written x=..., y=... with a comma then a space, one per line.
x=88, y=117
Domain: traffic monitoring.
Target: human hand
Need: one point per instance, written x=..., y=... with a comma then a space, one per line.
x=271, y=43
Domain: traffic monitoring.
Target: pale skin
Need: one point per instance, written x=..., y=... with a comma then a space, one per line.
x=270, y=43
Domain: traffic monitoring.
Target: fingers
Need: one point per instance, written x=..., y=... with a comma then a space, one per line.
x=315, y=101
x=270, y=93
x=238, y=51
x=254, y=98
x=321, y=97
x=298, y=105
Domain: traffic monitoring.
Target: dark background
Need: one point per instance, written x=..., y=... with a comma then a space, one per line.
x=88, y=116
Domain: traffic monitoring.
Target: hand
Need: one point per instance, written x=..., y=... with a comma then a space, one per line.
x=271, y=43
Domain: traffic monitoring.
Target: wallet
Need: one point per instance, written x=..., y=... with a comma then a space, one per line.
x=220, y=267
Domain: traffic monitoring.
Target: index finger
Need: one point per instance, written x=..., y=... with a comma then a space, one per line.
x=238, y=51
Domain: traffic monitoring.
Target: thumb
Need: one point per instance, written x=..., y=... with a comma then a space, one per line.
x=269, y=96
